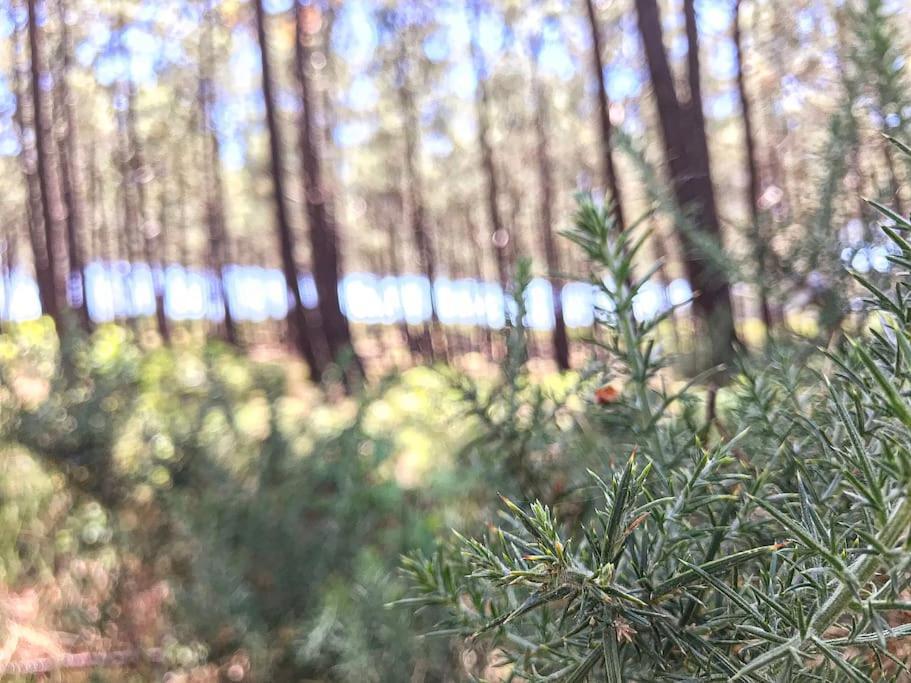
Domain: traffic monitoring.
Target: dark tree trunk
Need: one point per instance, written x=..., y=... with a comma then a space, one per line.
x=323, y=234
x=123, y=229
x=9, y=244
x=415, y=197
x=451, y=248
x=33, y=190
x=395, y=270
x=486, y=336
x=753, y=188
x=297, y=316
x=546, y=186
x=686, y=153
x=51, y=211
x=70, y=174
x=216, y=221
x=500, y=235
x=605, y=128
x=161, y=319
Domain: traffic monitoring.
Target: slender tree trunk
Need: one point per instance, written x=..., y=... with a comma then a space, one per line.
x=415, y=197
x=51, y=210
x=395, y=270
x=545, y=226
x=753, y=188
x=500, y=235
x=331, y=156
x=70, y=174
x=605, y=128
x=125, y=237
x=33, y=190
x=8, y=248
x=478, y=253
x=297, y=316
x=216, y=220
x=160, y=265
x=686, y=152
x=451, y=247
x=323, y=234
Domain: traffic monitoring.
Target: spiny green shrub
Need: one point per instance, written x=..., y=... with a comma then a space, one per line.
x=759, y=533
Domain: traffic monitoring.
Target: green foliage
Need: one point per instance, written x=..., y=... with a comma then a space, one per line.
x=767, y=541
x=275, y=523
x=879, y=63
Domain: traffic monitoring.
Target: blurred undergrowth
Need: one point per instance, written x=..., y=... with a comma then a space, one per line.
x=268, y=522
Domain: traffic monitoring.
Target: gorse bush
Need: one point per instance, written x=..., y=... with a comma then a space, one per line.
x=756, y=533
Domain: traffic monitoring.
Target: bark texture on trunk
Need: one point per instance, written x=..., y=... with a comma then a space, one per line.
x=216, y=220
x=71, y=175
x=395, y=269
x=686, y=154
x=297, y=316
x=414, y=196
x=546, y=222
x=33, y=211
x=753, y=183
x=605, y=128
x=500, y=235
x=323, y=230
x=51, y=209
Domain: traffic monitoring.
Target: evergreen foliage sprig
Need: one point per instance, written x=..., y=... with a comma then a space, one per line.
x=779, y=553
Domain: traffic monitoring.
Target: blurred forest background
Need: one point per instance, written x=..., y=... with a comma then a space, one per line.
x=280, y=280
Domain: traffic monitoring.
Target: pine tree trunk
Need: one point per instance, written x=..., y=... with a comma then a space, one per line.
x=500, y=235
x=323, y=235
x=605, y=128
x=415, y=199
x=51, y=211
x=8, y=248
x=161, y=244
x=753, y=188
x=486, y=345
x=33, y=190
x=395, y=270
x=686, y=153
x=297, y=316
x=215, y=201
x=70, y=174
x=546, y=186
